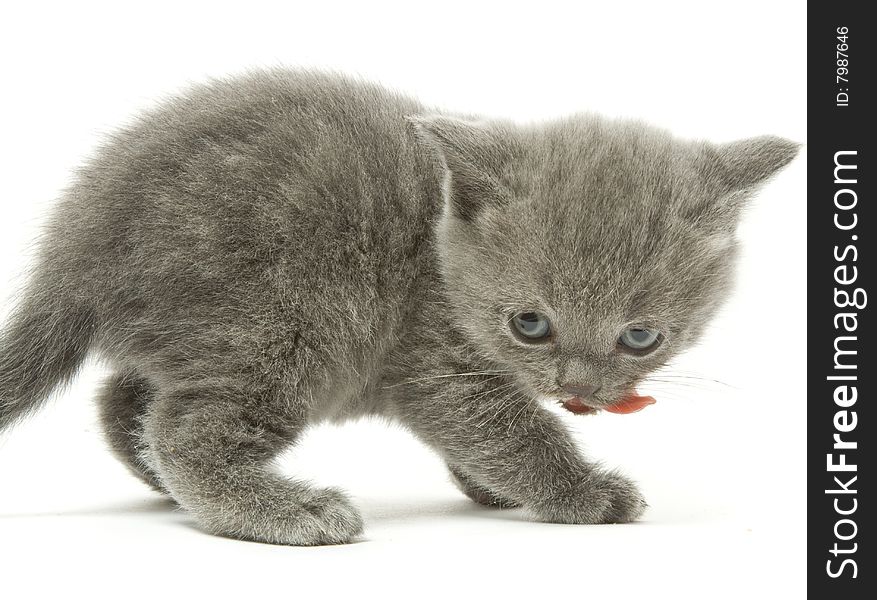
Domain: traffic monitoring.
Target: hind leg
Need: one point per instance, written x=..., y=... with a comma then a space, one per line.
x=211, y=444
x=121, y=406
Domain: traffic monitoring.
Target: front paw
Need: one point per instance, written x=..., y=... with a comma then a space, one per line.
x=599, y=497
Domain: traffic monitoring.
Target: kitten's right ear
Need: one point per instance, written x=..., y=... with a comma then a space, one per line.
x=473, y=155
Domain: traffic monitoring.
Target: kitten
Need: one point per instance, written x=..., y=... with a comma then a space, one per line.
x=266, y=252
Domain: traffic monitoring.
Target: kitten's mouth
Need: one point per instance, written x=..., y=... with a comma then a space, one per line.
x=630, y=403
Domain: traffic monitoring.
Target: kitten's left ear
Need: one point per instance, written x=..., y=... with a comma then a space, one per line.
x=744, y=165
x=736, y=170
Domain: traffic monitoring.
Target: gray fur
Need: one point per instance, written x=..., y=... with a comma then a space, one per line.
x=269, y=251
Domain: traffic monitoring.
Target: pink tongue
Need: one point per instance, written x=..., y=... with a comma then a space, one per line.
x=630, y=404
x=577, y=406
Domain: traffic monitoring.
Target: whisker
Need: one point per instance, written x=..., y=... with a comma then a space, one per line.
x=479, y=395
x=496, y=407
x=500, y=406
x=517, y=414
x=446, y=376
x=691, y=378
x=683, y=384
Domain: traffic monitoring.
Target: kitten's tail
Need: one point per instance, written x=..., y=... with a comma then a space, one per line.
x=42, y=346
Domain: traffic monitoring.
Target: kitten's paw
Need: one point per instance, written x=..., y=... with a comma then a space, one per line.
x=334, y=520
x=626, y=502
x=316, y=518
x=601, y=497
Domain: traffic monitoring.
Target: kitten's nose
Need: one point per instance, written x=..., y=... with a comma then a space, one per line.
x=582, y=391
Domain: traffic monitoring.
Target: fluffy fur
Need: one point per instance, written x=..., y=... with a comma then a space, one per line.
x=273, y=250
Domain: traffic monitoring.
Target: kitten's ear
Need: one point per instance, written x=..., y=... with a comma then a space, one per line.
x=736, y=170
x=474, y=156
x=744, y=165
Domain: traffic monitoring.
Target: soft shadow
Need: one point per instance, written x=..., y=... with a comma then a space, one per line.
x=389, y=510
x=193, y=527
x=132, y=507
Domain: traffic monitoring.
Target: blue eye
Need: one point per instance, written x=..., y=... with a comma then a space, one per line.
x=640, y=340
x=531, y=326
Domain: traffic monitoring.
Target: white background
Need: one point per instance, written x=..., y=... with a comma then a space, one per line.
x=722, y=464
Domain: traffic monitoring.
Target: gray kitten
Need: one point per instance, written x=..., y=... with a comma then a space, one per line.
x=270, y=251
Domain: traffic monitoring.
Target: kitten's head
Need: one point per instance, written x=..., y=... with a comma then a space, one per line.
x=583, y=254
